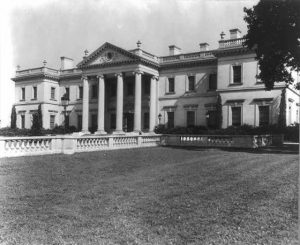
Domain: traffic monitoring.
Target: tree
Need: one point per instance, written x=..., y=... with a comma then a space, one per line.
x=282, y=111
x=13, y=118
x=37, y=123
x=40, y=116
x=219, y=112
x=274, y=34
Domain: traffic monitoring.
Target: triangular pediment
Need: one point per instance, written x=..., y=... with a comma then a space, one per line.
x=108, y=54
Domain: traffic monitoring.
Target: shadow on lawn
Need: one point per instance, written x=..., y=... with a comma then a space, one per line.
x=285, y=149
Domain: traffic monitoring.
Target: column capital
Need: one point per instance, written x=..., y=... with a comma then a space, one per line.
x=119, y=74
x=137, y=72
x=84, y=77
x=100, y=76
x=154, y=77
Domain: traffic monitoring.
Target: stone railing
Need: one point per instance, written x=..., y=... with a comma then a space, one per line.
x=186, y=57
x=39, y=70
x=231, y=43
x=234, y=141
x=69, y=144
x=70, y=71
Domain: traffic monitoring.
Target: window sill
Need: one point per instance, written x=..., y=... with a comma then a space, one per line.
x=235, y=84
x=33, y=99
x=211, y=90
x=190, y=91
x=259, y=83
x=79, y=99
x=22, y=100
x=53, y=99
x=169, y=93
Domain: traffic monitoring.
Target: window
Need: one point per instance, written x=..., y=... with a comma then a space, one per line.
x=67, y=93
x=34, y=90
x=23, y=94
x=263, y=115
x=52, y=121
x=237, y=74
x=211, y=118
x=67, y=121
x=79, y=122
x=80, y=92
x=171, y=85
x=113, y=89
x=147, y=88
x=212, y=83
x=22, y=121
x=191, y=83
x=236, y=116
x=52, y=93
x=113, y=121
x=130, y=88
x=94, y=91
x=94, y=122
x=190, y=118
x=171, y=119
x=146, y=120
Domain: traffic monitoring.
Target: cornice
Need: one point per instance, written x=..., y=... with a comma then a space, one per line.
x=248, y=89
x=232, y=51
x=137, y=60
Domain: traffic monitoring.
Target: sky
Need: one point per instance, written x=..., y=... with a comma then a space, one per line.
x=38, y=30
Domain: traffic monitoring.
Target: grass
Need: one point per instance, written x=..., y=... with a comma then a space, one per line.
x=150, y=196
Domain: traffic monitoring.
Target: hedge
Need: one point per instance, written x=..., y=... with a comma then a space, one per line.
x=291, y=133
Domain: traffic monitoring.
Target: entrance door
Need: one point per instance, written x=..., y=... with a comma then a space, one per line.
x=128, y=122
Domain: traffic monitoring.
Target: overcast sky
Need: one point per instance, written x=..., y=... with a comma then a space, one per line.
x=66, y=28
x=37, y=30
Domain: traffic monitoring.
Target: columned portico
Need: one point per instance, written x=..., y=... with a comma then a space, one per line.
x=85, y=106
x=101, y=105
x=119, y=117
x=138, y=101
x=152, y=116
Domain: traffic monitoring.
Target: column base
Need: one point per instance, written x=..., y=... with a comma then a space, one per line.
x=84, y=132
x=118, y=132
x=138, y=132
x=99, y=132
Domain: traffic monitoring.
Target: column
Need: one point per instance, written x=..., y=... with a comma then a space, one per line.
x=119, y=117
x=138, y=101
x=152, y=116
x=101, y=105
x=85, y=106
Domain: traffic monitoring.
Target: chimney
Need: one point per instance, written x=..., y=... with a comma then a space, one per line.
x=203, y=46
x=174, y=50
x=66, y=63
x=235, y=33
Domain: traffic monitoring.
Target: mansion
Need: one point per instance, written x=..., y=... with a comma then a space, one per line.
x=114, y=90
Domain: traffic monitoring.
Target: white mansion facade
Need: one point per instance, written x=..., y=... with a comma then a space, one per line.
x=113, y=90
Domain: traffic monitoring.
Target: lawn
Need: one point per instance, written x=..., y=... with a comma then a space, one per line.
x=150, y=196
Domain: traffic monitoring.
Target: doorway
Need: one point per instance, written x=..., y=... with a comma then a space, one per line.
x=128, y=122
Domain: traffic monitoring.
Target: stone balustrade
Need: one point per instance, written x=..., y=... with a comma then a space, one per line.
x=69, y=144
x=187, y=57
x=233, y=141
x=231, y=43
x=39, y=70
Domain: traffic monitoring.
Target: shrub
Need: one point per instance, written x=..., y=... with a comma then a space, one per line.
x=13, y=118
